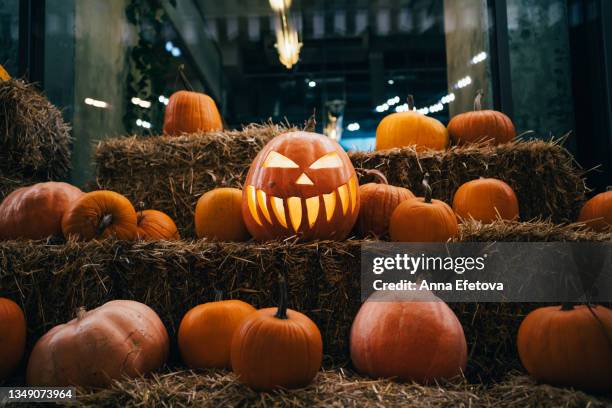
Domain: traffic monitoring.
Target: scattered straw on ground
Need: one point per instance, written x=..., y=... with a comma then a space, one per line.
x=51, y=281
x=338, y=387
x=34, y=140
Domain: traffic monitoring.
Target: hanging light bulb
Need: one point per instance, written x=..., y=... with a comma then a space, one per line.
x=280, y=5
x=288, y=46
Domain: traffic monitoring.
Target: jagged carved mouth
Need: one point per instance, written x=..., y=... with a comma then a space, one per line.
x=292, y=210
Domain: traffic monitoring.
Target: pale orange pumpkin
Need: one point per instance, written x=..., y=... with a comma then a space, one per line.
x=190, y=112
x=218, y=215
x=120, y=338
x=156, y=225
x=481, y=126
x=597, y=212
x=205, y=333
x=568, y=346
x=36, y=212
x=423, y=219
x=486, y=200
x=101, y=214
x=411, y=128
x=12, y=336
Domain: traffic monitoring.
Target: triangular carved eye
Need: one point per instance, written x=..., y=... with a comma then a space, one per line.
x=277, y=160
x=329, y=161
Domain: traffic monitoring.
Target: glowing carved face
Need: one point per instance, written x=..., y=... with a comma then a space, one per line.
x=303, y=184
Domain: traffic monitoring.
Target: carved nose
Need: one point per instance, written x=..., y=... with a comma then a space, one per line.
x=304, y=179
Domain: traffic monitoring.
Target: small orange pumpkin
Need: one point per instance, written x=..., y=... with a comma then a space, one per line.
x=190, y=112
x=12, y=336
x=277, y=347
x=423, y=219
x=485, y=200
x=36, y=212
x=101, y=214
x=481, y=126
x=412, y=340
x=597, y=212
x=120, y=338
x=218, y=215
x=205, y=333
x=377, y=203
x=411, y=128
x=568, y=346
x=156, y=225
x=4, y=76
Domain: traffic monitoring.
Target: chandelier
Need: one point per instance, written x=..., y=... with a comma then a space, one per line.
x=288, y=43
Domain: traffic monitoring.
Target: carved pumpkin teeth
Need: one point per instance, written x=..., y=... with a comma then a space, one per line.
x=261, y=201
x=353, y=191
x=344, y=197
x=278, y=208
x=330, y=204
x=312, y=210
x=295, y=212
x=252, y=204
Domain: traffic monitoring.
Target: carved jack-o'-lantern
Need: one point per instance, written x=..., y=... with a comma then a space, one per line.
x=302, y=184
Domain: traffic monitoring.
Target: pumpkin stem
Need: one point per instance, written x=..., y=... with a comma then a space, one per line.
x=106, y=221
x=184, y=80
x=281, y=311
x=567, y=307
x=377, y=174
x=218, y=295
x=478, y=100
x=81, y=312
x=428, y=192
x=139, y=209
x=410, y=102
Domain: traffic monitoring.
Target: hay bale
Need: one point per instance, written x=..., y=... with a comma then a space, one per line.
x=338, y=387
x=34, y=140
x=52, y=281
x=171, y=173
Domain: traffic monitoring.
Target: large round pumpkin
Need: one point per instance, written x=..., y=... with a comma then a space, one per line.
x=481, y=126
x=485, y=200
x=120, y=338
x=568, y=346
x=277, y=347
x=423, y=219
x=218, y=216
x=411, y=128
x=205, y=333
x=377, y=202
x=36, y=212
x=412, y=340
x=597, y=212
x=101, y=214
x=156, y=225
x=303, y=184
x=12, y=336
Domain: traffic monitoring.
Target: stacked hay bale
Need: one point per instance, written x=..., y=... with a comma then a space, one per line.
x=34, y=139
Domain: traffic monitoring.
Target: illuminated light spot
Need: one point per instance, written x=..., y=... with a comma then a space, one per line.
x=312, y=210
x=261, y=201
x=279, y=210
x=251, y=202
x=344, y=197
x=329, y=161
x=277, y=160
x=353, y=190
x=330, y=204
x=304, y=179
x=295, y=211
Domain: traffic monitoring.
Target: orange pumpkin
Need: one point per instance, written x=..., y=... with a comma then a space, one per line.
x=481, y=126
x=156, y=225
x=486, y=200
x=205, y=333
x=36, y=212
x=12, y=336
x=411, y=128
x=101, y=214
x=302, y=184
x=218, y=216
x=423, y=219
x=4, y=76
x=277, y=347
x=377, y=203
x=120, y=338
x=568, y=346
x=190, y=112
x=412, y=340
x=597, y=212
